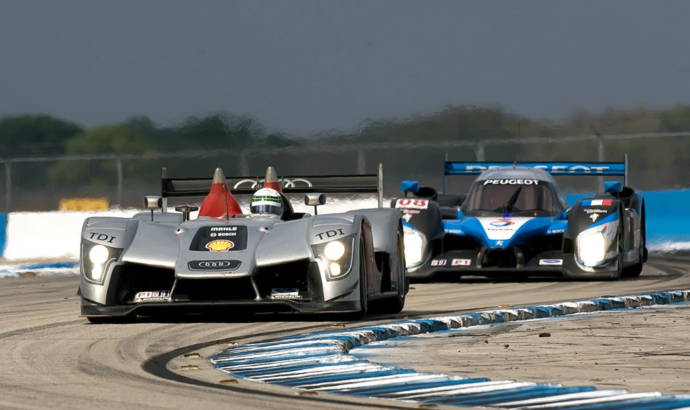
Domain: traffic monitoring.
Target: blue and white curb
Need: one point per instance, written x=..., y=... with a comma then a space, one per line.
x=40, y=269
x=320, y=362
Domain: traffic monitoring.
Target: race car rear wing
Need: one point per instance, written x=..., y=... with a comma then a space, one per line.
x=554, y=168
x=333, y=184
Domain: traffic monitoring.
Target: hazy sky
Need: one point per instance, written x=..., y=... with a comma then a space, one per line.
x=305, y=66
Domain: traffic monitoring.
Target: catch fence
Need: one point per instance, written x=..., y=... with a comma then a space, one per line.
x=657, y=161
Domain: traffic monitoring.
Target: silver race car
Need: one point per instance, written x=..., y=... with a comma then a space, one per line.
x=160, y=261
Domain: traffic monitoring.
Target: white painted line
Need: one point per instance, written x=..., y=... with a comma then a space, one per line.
x=291, y=352
x=433, y=390
x=320, y=371
x=620, y=397
x=369, y=382
x=562, y=397
x=286, y=363
x=471, y=390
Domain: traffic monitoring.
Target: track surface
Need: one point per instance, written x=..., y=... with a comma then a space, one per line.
x=53, y=358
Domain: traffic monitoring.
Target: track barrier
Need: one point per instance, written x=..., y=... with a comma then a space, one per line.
x=3, y=233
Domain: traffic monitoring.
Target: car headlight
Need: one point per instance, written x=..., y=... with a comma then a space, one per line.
x=593, y=244
x=333, y=251
x=414, y=243
x=99, y=254
x=336, y=257
x=95, y=260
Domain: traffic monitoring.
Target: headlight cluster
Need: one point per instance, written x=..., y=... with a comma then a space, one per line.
x=415, y=245
x=95, y=260
x=336, y=255
x=593, y=244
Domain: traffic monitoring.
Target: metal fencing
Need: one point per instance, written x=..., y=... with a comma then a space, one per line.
x=657, y=161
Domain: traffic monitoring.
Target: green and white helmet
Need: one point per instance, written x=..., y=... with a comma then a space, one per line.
x=266, y=201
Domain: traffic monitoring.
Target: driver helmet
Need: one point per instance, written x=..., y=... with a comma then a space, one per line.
x=266, y=201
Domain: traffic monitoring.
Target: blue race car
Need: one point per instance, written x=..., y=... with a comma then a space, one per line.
x=514, y=222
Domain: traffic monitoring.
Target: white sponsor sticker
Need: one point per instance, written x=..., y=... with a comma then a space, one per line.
x=284, y=293
x=412, y=203
x=152, y=296
x=512, y=181
x=439, y=262
x=550, y=262
x=461, y=262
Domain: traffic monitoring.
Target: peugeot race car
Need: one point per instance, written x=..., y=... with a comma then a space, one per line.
x=514, y=221
x=160, y=260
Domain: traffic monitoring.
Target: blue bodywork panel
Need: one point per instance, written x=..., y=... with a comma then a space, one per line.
x=529, y=229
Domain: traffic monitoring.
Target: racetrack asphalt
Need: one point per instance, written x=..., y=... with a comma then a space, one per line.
x=53, y=358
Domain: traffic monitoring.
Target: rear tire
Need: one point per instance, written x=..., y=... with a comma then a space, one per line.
x=635, y=270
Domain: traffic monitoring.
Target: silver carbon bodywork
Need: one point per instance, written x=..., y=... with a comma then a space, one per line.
x=157, y=260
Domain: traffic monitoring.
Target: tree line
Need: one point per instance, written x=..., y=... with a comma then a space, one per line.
x=31, y=135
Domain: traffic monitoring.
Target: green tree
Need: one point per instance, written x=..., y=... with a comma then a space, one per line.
x=30, y=135
x=108, y=139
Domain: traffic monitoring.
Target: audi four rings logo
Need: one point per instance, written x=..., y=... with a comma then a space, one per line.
x=287, y=183
x=214, y=265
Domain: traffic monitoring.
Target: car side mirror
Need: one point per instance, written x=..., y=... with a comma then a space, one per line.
x=409, y=186
x=186, y=210
x=153, y=202
x=613, y=187
x=314, y=199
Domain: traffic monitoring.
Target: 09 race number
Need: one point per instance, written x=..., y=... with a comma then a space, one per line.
x=412, y=203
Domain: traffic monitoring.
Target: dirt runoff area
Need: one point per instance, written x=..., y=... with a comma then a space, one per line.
x=639, y=350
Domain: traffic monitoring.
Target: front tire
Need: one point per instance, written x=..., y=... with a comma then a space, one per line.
x=396, y=303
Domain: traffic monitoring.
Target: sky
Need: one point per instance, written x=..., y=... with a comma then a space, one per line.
x=309, y=66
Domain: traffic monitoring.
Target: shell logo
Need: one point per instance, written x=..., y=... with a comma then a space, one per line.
x=220, y=245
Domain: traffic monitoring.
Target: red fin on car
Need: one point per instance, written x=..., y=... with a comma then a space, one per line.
x=219, y=203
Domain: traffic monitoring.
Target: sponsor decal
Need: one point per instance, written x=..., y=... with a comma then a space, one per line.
x=553, y=168
x=439, y=262
x=412, y=203
x=512, y=181
x=286, y=182
x=461, y=262
x=550, y=262
x=103, y=237
x=502, y=222
x=224, y=229
x=501, y=228
x=285, y=293
x=598, y=202
x=499, y=243
x=222, y=234
x=330, y=233
x=223, y=265
x=596, y=211
x=220, y=245
x=219, y=238
x=152, y=296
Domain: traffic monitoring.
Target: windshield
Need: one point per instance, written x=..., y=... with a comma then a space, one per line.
x=509, y=196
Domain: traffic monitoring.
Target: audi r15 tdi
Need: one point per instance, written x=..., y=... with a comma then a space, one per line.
x=272, y=259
